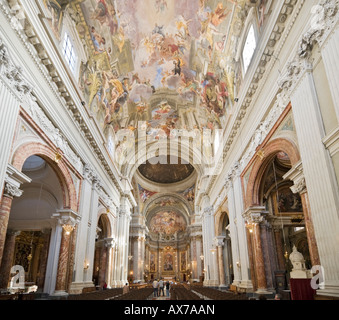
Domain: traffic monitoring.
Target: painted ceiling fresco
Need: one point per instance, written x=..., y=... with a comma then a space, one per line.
x=168, y=223
x=138, y=47
x=140, y=52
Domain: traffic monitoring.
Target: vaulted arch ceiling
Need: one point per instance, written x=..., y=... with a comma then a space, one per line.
x=158, y=67
x=169, y=63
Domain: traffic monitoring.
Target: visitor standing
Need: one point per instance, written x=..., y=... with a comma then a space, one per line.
x=167, y=288
x=161, y=288
x=155, y=288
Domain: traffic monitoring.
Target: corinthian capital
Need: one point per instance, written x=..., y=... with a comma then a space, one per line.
x=12, y=190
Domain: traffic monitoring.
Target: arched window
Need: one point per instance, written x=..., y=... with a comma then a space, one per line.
x=249, y=48
x=69, y=52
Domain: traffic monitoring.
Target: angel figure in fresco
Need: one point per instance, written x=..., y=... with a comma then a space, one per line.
x=219, y=15
x=119, y=39
x=98, y=41
x=182, y=26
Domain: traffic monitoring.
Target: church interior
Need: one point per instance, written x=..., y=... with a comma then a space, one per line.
x=193, y=141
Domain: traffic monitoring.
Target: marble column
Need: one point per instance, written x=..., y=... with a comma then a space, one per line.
x=102, y=265
x=141, y=254
x=312, y=242
x=254, y=218
x=268, y=255
x=319, y=175
x=60, y=287
x=7, y=261
x=259, y=260
x=220, y=245
x=68, y=224
x=10, y=191
x=279, y=248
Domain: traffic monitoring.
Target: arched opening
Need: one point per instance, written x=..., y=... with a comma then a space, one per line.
x=227, y=249
x=101, y=252
x=31, y=234
x=284, y=224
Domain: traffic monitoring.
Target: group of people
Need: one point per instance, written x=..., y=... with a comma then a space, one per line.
x=160, y=286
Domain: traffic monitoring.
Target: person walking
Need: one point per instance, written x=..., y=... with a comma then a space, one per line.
x=155, y=288
x=161, y=287
x=167, y=288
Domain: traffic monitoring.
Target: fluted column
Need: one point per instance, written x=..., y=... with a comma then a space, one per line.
x=297, y=176
x=329, y=52
x=7, y=260
x=319, y=175
x=9, y=110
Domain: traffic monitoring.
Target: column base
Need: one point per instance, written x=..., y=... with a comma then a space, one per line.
x=77, y=287
x=329, y=291
x=263, y=291
x=60, y=293
x=236, y=283
x=246, y=285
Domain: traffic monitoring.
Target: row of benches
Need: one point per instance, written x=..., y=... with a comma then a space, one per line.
x=97, y=295
x=215, y=294
x=181, y=293
x=136, y=294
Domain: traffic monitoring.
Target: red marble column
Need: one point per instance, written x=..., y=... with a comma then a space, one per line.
x=72, y=255
x=279, y=248
x=63, y=262
x=259, y=259
x=103, y=263
x=251, y=258
x=312, y=243
x=5, y=209
x=7, y=260
x=222, y=281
